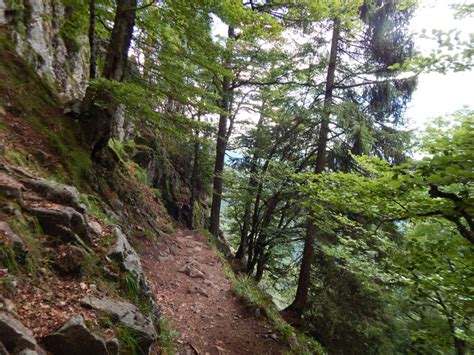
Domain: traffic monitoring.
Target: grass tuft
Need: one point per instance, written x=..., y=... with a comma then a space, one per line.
x=261, y=304
x=8, y=258
x=129, y=340
x=167, y=338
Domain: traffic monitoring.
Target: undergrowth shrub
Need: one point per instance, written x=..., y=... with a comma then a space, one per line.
x=167, y=337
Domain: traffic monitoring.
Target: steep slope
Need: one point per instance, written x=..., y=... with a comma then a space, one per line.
x=70, y=281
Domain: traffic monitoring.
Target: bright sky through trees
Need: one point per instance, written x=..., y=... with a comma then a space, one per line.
x=439, y=94
x=436, y=94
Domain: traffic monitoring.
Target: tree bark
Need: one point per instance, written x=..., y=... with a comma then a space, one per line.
x=299, y=303
x=195, y=177
x=242, y=252
x=221, y=144
x=97, y=120
x=262, y=260
x=93, y=56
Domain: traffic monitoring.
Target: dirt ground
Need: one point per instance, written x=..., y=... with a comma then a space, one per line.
x=196, y=297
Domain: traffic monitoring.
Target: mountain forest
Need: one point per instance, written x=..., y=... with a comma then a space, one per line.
x=232, y=177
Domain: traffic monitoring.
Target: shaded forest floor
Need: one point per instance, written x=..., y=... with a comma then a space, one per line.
x=196, y=297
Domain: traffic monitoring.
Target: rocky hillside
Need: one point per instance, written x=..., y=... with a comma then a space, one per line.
x=71, y=281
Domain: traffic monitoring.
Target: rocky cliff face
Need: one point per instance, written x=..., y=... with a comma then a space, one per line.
x=52, y=40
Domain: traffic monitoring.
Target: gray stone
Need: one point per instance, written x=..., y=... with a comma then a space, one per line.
x=56, y=192
x=63, y=222
x=74, y=338
x=11, y=237
x=73, y=108
x=7, y=305
x=3, y=17
x=127, y=314
x=43, y=46
x=191, y=269
x=10, y=188
x=30, y=352
x=123, y=252
x=15, y=336
x=119, y=129
x=95, y=227
x=196, y=289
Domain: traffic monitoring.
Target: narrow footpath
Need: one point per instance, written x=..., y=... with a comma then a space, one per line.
x=196, y=297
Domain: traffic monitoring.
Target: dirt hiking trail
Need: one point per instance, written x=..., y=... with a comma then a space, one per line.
x=196, y=297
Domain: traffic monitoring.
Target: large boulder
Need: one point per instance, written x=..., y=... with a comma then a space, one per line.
x=127, y=314
x=74, y=338
x=122, y=252
x=56, y=192
x=15, y=337
x=63, y=222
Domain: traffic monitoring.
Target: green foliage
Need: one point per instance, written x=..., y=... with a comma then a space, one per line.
x=132, y=288
x=129, y=340
x=133, y=291
x=77, y=160
x=94, y=207
x=8, y=258
x=16, y=9
x=22, y=159
x=75, y=24
x=168, y=337
x=420, y=283
x=435, y=270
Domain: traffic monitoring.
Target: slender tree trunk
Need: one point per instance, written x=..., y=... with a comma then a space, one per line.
x=459, y=344
x=262, y=260
x=259, y=245
x=195, y=177
x=97, y=120
x=299, y=303
x=221, y=145
x=242, y=252
x=92, y=45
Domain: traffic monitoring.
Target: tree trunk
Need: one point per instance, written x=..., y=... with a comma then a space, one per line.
x=93, y=57
x=262, y=260
x=221, y=145
x=299, y=303
x=195, y=177
x=242, y=252
x=258, y=246
x=97, y=120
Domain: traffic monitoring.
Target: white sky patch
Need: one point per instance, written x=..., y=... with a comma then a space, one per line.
x=438, y=94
